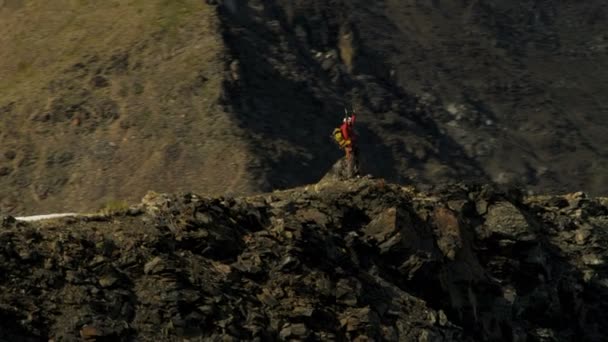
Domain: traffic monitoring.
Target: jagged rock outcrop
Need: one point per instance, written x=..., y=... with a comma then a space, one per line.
x=349, y=260
x=339, y=172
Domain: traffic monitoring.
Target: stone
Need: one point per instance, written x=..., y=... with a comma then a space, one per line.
x=203, y=218
x=413, y=264
x=592, y=259
x=251, y=264
x=153, y=266
x=305, y=311
x=267, y=298
x=382, y=226
x=107, y=280
x=312, y=215
x=391, y=245
x=324, y=286
x=505, y=220
x=357, y=318
x=297, y=330
x=457, y=205
x=443, y=319
x=574, y=199
x=90, y=333
x=448, y=233
x=235, y=70
x=582, y=235
x=481, y=206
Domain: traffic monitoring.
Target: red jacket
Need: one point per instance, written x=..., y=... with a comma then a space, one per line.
x=348, y=131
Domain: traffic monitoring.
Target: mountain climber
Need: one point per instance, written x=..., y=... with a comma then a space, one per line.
x=346, y=137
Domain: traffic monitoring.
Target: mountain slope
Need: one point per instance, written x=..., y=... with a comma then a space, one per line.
x=105, y=101
x=295, y=79
x=475, y=89
x=524, y=84
x=101, y=102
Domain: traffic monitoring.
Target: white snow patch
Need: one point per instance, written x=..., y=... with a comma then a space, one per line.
x=44, y=217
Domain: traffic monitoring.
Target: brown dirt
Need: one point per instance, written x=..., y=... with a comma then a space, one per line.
x=114, y=107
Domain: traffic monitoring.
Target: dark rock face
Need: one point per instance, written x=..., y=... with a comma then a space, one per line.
x=491, y=90
x=339, y=260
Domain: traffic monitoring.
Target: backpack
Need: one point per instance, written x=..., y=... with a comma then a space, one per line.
x=338, y=137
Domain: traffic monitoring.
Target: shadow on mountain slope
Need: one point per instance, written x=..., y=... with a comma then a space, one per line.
x=289, y=85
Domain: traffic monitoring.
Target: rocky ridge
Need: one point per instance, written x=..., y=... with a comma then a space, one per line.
x=353, y=260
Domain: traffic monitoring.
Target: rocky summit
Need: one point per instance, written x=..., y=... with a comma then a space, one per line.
x=354, y=260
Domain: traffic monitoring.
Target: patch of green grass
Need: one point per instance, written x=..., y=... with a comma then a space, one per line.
x=113, y=207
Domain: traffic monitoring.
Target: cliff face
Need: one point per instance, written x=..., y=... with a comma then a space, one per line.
x=511, y=93
x=337, y=260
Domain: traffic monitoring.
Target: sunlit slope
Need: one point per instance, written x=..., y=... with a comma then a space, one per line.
x=104, y=100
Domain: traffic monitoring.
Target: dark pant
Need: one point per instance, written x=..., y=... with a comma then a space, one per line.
x=352, y=162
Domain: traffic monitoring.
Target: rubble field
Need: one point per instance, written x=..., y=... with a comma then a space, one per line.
x=355, y=260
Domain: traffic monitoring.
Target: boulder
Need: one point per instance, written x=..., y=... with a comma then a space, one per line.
x=448, y=233
x=505, y=220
